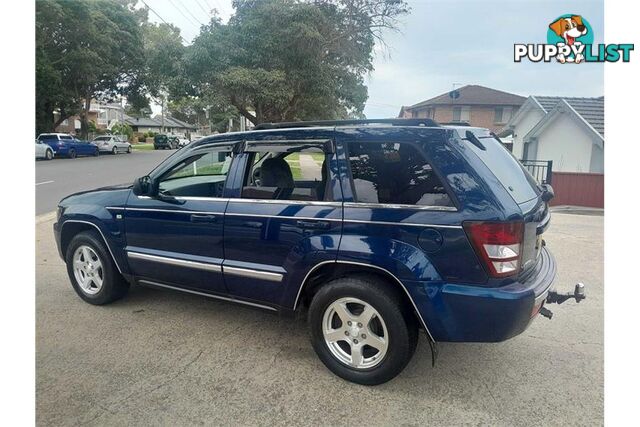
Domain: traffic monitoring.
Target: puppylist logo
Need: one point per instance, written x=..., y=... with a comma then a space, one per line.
x=570, y=40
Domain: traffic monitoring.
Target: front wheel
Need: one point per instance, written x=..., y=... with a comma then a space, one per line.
x=49, y=155
x=72, y=153
x=115, y=150
x=93, y=274
x=361, y=330
x=129, y=149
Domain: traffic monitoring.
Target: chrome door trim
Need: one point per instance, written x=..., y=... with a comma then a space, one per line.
x=304, y=218
x=304, y=281
x=408, y=224
x=253, y=274
x=399, y=206
x=175, y=261
x=172, y=211
x=99, y=231
x=189, y=291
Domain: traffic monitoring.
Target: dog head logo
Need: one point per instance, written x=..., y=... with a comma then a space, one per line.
x=570, y=30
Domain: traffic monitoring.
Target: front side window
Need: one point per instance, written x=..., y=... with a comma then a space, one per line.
x=202, y=175
x=298, y=174
x=394, y=173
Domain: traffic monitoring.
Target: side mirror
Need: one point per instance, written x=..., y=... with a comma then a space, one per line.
x=144, y=186
x=547, y=192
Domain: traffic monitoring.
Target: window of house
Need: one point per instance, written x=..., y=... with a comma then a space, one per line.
x=461, y=114
x=202, y=175
x=287, y=173
x=394, y=173
x=502, y=114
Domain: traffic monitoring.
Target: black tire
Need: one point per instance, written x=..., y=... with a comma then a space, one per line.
x=115, y=150
x=129, y=150
x=114, y=286
x=72, y=153
x=96, y=153
x=48, y=155
x=398, y=318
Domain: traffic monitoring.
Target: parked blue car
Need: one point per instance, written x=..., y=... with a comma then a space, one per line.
x=66, y=145
x=375, y=229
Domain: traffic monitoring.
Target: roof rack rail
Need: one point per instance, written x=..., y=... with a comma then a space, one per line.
x=317, y=123
x=456, y=124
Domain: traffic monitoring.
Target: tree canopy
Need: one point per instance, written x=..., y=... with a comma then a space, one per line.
x=283, y=60
x=274, y=60
x=84, y=50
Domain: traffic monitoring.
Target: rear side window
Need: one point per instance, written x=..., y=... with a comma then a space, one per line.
x=298, y=173
x=513, y=177
x=394, y=173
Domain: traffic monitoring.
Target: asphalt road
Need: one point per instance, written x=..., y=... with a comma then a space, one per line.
x=166, y=358
x=58, y=178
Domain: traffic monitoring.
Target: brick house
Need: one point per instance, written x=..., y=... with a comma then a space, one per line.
x=103, y=115
x=477, y=105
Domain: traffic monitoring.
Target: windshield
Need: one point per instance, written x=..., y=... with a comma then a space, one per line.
x=506, y=168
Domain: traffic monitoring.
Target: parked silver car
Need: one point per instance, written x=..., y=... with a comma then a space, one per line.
x=43, y=151
x=112, y=144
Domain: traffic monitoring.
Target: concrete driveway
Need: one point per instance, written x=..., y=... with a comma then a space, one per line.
x=167, y=358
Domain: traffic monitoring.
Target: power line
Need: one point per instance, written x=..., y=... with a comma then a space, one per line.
x=189, y=12
x=182, y=13
x=162, y=19
x=203, y=9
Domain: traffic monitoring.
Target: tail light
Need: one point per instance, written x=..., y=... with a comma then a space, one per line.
x=499, y=245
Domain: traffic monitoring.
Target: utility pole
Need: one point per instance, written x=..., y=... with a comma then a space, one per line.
x=162, y=115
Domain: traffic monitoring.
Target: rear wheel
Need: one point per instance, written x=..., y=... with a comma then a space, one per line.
x=361, y=330
x=115, y=150
x=93, y=274
x=72, y=153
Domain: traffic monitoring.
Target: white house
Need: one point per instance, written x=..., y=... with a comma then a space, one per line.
x=569, y=131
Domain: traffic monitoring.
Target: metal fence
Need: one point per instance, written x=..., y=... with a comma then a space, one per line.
x=542, y=170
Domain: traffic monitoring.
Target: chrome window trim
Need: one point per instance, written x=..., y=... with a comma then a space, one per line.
x=399, y=206
x=189, y=291
x=117, y=208
x=217, y=268
x=99, y=231
x=304, y=281
x=211, y=199
x=253, y=274
x=288, y=202
x=408, y=224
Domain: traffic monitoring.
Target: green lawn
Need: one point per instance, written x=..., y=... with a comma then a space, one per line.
x=142, y=146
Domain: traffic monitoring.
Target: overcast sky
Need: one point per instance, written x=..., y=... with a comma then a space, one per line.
x=447, y=42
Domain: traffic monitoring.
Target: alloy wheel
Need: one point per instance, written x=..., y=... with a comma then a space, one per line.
x=355, y=333
x=88, y=270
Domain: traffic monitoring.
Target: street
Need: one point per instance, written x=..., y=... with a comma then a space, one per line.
x=58, y=178
x=167, y=358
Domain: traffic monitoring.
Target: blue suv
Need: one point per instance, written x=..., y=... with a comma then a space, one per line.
x=374, y=229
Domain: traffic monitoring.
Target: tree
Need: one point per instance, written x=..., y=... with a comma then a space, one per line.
x=282, y=60
x=84, y=50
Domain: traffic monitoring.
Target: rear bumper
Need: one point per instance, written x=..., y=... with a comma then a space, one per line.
x=466, y=313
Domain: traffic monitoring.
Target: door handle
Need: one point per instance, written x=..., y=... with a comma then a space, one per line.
x=203, y=218
x=323, y=225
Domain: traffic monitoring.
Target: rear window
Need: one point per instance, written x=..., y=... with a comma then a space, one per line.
x=506, y=168
x=394, y=173
x=102, y=138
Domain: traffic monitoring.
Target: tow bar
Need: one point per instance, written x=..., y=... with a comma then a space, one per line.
x=554, y=297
